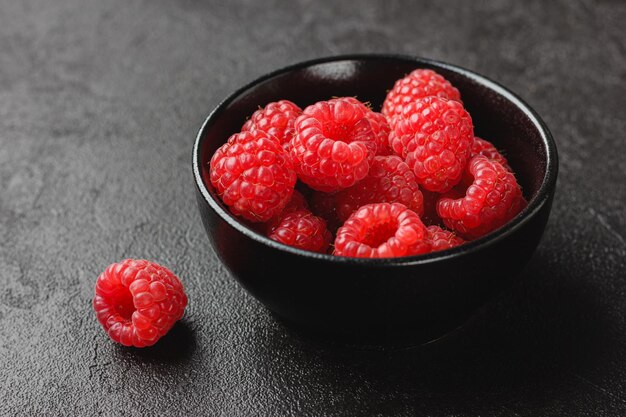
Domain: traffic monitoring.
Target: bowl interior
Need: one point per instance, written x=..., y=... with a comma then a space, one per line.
x=498, y=116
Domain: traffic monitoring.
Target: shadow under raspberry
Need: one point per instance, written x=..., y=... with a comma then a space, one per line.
x=177, y=346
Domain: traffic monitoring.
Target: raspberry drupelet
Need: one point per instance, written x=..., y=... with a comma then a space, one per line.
x=435, y=136
x=276, y=120
x=389, y=180
x=334, y=144
x=493, y=198
x=253, y=175
x=301, y=229
x=137, y=302
x=382, y=230
x=418, y=84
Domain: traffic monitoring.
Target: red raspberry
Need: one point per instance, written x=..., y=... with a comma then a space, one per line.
x=253, y=175
x=441, y=239
x=389, y=180
x=324, y=205
x=137, y=302
x=493, y=199
x=485, y=148
x=379, y=126
x=296, y=203
x=381, y=129
x=301, y=229
x=430, y=216
x=276, y=119
x=435, y=137
x=381, y=230
x=418, y=84
x=334, y=144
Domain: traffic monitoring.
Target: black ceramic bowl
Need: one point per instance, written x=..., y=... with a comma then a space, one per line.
x=417, y=298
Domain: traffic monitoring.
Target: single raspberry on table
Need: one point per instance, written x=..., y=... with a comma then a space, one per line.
x=137, y=301
x=276, y=119
x=493, y=198
x=441, y=239
x=253, y=175
x=382, y=230
x=418, y=84
x=435, y=136
x=389, y=180
x=334, y=144
x=301, y=229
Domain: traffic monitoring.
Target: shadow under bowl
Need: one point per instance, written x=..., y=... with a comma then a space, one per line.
x=381, y=301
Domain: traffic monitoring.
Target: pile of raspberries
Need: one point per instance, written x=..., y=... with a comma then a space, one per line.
x=410, y=180
x=340, y=178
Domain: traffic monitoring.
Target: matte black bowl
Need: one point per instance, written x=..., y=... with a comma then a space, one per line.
x=414, y=299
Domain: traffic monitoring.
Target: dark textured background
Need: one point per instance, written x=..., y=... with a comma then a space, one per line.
x=99, y=105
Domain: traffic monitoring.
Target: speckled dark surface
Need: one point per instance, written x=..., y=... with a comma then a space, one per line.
x=99, y=105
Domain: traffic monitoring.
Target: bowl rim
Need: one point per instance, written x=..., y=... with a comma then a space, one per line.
x=541, y=198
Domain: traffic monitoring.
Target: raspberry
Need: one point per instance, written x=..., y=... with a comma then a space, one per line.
x=485, y=148
x=435, y=137
x=382, y=129
x=379, y=126
x=493, y=199
x=137, y=301
x=430, y=216
x=324, y=205
x=441, y=239
x=381, y=230
x=253, y=175
x=276, y=119
x=334, y=144
x=301, y=229
x=418, y=84
x=389, y=181
x=296, y=203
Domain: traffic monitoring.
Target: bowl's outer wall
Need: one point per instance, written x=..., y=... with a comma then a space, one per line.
x=385, y=299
